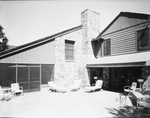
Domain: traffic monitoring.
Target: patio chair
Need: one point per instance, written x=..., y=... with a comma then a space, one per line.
x=97, y=87
x=16, y=89
x=54, y=88
x=4, y=95
x=127, y=91
x=131, y=88
x=76, y=86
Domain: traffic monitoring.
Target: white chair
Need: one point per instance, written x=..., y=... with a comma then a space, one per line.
x=16, y=89
x=4, y=95
x=54, y=88
x=97, y=87
x=130, y=88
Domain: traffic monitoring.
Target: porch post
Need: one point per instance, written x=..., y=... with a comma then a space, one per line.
x=16, y=72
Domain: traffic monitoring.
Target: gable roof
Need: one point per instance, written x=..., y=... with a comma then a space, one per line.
x=36, y=43
x=125, y=14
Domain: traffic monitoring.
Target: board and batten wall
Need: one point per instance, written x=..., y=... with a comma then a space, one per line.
x=44, y=54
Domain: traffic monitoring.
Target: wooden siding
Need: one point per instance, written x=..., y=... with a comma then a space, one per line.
x=44, y=54
x=124, y=41
x=123, y=22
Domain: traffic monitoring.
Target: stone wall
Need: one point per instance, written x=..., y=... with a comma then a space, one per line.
x=90, y=30
x=67, y=71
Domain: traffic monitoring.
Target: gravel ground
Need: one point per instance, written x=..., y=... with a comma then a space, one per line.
x=67, y=105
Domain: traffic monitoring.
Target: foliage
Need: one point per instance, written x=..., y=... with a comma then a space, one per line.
x=3, y=40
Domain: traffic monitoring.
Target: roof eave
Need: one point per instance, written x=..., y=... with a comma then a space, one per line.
x=37, y=42
x=127, y=14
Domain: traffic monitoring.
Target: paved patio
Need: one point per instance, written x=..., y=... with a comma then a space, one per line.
x=67, y=105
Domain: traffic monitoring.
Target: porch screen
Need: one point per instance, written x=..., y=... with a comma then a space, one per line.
x=29, y=77
x=23, y=77
x=34, y=77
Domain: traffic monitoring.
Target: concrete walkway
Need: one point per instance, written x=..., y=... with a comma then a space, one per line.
x=67, y=105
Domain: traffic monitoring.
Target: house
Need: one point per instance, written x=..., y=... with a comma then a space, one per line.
x=119, y=55
x=122, y=50
x=61, y=57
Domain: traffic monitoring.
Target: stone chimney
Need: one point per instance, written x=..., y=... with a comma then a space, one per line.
x=90, y=30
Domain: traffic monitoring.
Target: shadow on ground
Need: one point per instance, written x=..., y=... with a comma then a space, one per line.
x=125, y=112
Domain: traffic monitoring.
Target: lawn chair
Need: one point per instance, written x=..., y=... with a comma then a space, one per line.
x=97, y=87
x=131, y=88
x=16, y=89
x=4, y=95
x=127, y=90
x=54, y=88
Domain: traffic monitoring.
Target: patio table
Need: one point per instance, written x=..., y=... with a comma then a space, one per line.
x=8, y=93
x=6, y=89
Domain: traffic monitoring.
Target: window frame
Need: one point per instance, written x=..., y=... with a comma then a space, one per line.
x=138, y=41
x=105, y=49
x=69, y=51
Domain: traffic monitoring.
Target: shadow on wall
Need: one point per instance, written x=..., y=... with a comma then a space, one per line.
x=96, y=46
x=125, y=112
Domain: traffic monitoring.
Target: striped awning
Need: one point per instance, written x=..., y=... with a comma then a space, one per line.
x=128, y=60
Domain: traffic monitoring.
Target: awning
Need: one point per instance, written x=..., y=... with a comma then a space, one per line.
x=128, y=60
x=147, y=63
x=116, y=65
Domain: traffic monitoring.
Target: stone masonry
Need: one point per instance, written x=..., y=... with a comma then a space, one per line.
x=67, y=71
x=90, y=30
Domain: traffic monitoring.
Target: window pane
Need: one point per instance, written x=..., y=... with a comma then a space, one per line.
x=107, y=47
x=69, y=50
x=143, y=39
x=23, y=74
x=34, y=73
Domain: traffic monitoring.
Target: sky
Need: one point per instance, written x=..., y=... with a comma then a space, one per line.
x=26, y=21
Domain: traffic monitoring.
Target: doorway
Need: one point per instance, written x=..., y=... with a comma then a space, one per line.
x=136, y=73
x=114, y=79
x=124, y=78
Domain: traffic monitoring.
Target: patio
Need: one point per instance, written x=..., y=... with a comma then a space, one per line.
x=67, y=105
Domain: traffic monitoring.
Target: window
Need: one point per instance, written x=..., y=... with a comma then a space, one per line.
x=107, y=47
x=69, y=50
x=143, y=39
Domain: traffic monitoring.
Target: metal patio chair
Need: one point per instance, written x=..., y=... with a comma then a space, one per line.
x=128, y=89
x=16, y=89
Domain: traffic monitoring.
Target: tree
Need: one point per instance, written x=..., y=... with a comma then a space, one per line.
x=3, y=40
